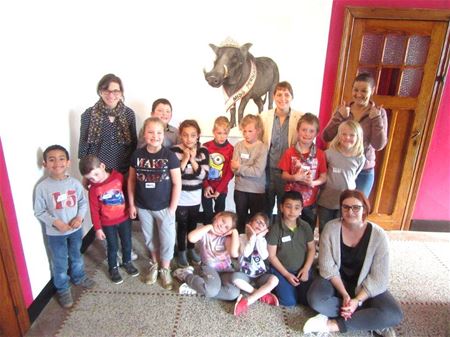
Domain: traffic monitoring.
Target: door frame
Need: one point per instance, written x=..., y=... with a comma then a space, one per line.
x=353, y=13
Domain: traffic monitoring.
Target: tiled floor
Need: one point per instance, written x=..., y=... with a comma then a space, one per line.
x=53, y=316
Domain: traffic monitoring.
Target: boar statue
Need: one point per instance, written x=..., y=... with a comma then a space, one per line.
x=243, y=77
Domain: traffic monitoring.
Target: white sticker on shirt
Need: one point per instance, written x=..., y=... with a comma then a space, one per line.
x=61, y=197
x=150, y=185
x=286, y=239
x=336, y=170
x=245, y=156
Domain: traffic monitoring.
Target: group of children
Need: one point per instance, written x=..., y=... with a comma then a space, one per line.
x=170, y=176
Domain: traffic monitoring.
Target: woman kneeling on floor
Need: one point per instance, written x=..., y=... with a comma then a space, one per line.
x=351, y=292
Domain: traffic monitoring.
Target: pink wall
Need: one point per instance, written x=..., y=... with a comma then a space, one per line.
x=14, y=230
x=433, y=202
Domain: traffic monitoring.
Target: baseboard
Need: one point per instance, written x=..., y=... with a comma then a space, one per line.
x=49, y=290
x=430, y=225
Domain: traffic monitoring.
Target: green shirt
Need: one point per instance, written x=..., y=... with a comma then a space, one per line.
x=291, y=244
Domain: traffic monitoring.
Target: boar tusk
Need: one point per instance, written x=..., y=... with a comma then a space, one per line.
x=225, y=68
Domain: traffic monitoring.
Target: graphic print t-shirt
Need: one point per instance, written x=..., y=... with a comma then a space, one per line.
x=153, y=181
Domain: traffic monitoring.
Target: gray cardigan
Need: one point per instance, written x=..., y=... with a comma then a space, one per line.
x=374, y=276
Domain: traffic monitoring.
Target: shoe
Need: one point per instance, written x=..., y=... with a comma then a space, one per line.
x=65, y=299
x=152, y=275
x=182, y=273
x=241, y=306
x=270, y=299
x=182, y=259
x=387, y=332
x=317, y=323
x=87, y=283
x=134, y=256
x=193, y=256
x=186, y=290
x=130, y=269
x=115, y=276
x=166, y=278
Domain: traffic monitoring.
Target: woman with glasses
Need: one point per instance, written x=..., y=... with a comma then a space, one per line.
x=108, y=129
x=352, y=290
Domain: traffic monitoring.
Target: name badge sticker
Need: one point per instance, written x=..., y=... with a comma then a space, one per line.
x=150, y=185
x=336, y=170
x=245, y=156
x=61, y=197
x=286, y=239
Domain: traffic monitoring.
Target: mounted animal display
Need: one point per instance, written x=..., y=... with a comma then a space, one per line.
x=243, y=77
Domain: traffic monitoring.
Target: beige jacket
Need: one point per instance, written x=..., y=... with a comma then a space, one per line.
x=267, y=119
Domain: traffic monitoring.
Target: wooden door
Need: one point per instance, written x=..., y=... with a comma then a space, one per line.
x=407, y=53
x=14, y=320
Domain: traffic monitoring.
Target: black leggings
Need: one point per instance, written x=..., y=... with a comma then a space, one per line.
x=187, y=217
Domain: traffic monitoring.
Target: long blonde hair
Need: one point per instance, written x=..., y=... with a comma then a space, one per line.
x=358, y=148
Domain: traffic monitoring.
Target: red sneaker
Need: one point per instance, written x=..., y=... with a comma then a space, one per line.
x=270, y=299
x=241, y=306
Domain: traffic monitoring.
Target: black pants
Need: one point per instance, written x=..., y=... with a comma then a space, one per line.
x=186, y=217
x=245, y=201
x=207, y=204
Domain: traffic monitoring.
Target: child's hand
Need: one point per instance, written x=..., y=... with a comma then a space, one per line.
x=234, y=164
x=186, y=154
x=303, y=274
x=193, y=153
x=172, y=211
x=100, y=235
x=76, y=222
x=215, y=195
x=61, y=226
x=132, y=212
x=263, y=233
x=292, y=279
x=344, y=110
x=208, y=192
x=249, y=231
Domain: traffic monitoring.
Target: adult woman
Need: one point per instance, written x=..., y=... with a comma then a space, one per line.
x=108, y=129
x=351, y=292
x=280, y=132
x=373, y=121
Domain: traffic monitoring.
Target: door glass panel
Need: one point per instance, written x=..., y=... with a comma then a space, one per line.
x=417, y=50
x=394, y=49
x=372, y=46
x=411, y=82
x=389, y=78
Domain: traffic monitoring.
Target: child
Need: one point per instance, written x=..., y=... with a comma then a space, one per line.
x=249, y=164
x=219, y=243
x=345, y=159
x=109, y=213
x=61, y=205
x=215, y=187
x=291, y=251
x=252, y=253
x=304, y=167
x=154, y=187
x=194, y=169
x=162, y=109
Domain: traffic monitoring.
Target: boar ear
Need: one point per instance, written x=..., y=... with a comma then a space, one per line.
x=245, y=48
x=213, y=47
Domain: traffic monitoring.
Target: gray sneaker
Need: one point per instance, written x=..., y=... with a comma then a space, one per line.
x=152, y=275
x=387, y=332
x=166, y=278
x=87, y=283
x=65, y=299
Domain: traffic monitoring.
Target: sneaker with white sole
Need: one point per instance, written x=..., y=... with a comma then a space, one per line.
x=182, y=273
x=186, y=290
x=387, y=332
x=317, y=323
x=152, y=275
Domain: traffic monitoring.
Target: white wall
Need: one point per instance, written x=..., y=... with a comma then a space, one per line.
x=54, y=53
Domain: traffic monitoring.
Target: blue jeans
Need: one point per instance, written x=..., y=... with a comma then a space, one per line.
x=287, y=294
x=123, y=229
x=65, y=252
x=207, y=204
x=365, y=180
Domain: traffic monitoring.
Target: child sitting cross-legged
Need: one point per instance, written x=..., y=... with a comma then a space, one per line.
x=219, y=243
x=252, y=253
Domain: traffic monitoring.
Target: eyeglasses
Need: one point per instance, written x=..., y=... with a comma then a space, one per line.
x=260, y=222
x=354, y=208
x=109, y=92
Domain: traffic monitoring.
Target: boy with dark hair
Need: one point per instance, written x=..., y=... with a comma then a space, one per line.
x=60, y=204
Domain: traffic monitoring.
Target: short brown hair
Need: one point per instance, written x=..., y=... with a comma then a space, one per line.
x=104, y=82
x=88, y=163
x=227, y=214
x=222, y=122
x=309, y=118
x=285, y=85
